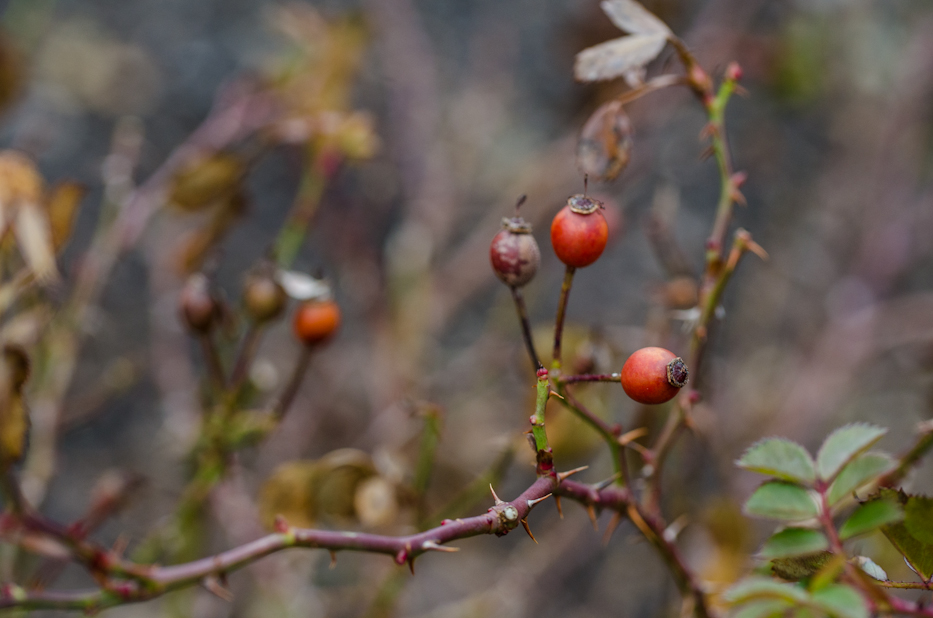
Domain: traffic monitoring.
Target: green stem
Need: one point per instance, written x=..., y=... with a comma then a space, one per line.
x=561, y=314
x=545, y=459
x=307, y=200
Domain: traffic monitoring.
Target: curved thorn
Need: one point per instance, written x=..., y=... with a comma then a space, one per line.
x=613, y=524
x=569, y=473
x=592, y=513
x=498, y=501
x=333, y=560
x=560, y=511
x=528, y=530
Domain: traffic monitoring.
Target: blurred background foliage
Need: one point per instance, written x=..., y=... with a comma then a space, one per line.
x=445, y=112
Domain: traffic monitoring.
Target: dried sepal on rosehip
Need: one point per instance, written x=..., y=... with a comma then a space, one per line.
x=579, y=232
x=514, y=253
x=316, y=321
x=653, y=375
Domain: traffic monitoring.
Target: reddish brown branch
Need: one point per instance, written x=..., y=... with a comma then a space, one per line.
x=151, y=581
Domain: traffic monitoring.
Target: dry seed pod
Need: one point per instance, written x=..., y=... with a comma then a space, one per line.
x=199, y=307
x=514, y=253
x=605, y=145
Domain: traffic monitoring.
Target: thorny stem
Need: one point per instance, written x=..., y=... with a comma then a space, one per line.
x=853, y=573
x=561, y=314
x=155, y=581
x=682, y=405
x=526, y=326
x=621, y=500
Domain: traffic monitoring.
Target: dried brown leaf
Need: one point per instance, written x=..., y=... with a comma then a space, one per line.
x=34, y=236
x=605, y=145
x=63, y=205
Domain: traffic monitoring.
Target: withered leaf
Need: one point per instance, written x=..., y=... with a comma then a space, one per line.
x=605, y=145
x=63, y=205
x=617, y=57
x=632, y=17
x=206, y=180
x=34, y=236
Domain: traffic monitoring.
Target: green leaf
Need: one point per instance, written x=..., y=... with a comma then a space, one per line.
x=765, y=608
x=781, y=458
x=840, y=601
x=792, y=542
x=756, y=588
x=859, y=472
x=783, y=501
x=868, y=565
x=843, y=445
x=869, y=516
x=919, y=518
x=919, y=555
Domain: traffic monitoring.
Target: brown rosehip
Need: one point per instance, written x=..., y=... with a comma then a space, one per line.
x=653, y=375
x=263, y=297
x=579, y=232
x=198, y=304
x=316, y=321
x=514, y=253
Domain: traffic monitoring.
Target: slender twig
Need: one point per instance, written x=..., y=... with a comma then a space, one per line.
x=294, y=383
x=215, y=370
x=610, y=434
x=307, y=200
x=245, y=356
x=561, y=314
x=526, y=326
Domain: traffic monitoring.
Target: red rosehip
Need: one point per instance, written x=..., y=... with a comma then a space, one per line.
x=514, y=253
x=653, y=375
x=579, y=232
x=316, y=320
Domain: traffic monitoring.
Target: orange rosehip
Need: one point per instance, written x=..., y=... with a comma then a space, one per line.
x=316, y=321
x=653, y=375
